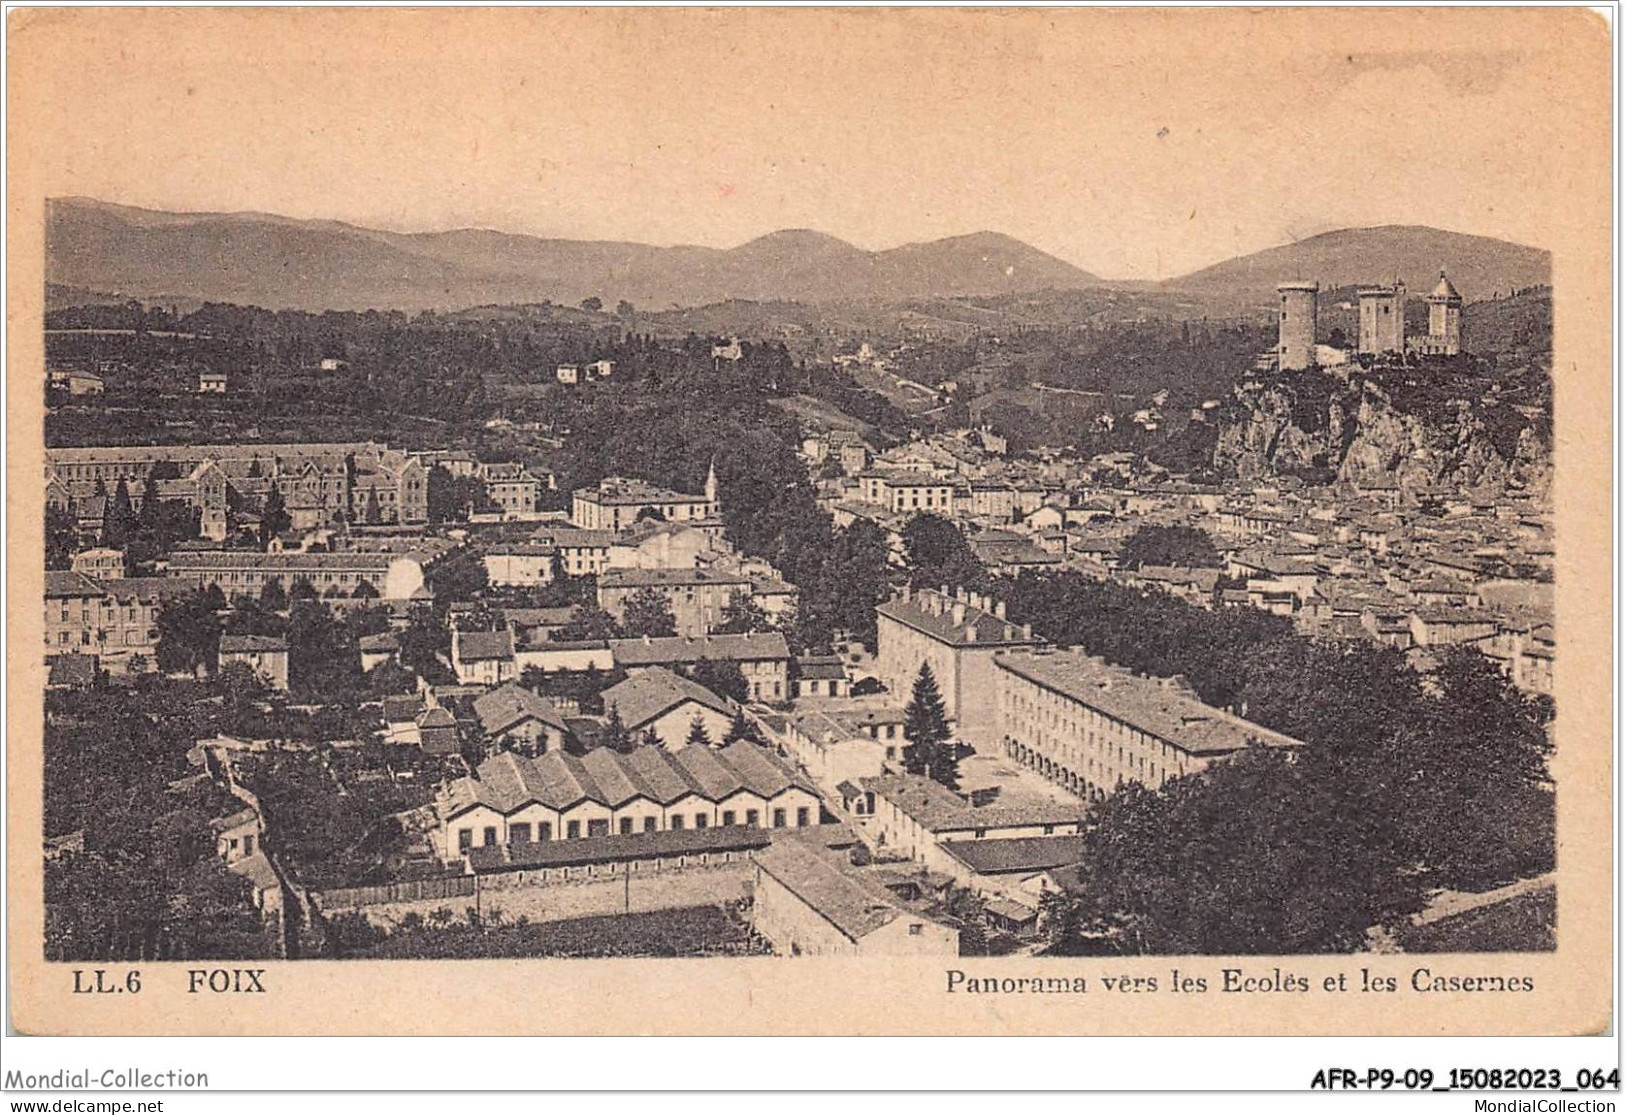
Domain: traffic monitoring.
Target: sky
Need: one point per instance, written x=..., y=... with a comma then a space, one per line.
x=1135, y=144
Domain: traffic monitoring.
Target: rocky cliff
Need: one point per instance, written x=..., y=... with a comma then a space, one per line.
x=1324, y=427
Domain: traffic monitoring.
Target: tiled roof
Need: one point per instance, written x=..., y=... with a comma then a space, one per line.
x=252, y=644
x=557, y=780
x=145, y=588
x=921, y=612
x=853, y=903
x=479, y=646
x=1157, y=706
x=940, y=810
x=821, y=668
x=644, y=578
x=1021, y=853
x=509, y=705
x=615, y=849
x=59, y=583
x=655, y=690
x=677, y=648
x=400, y=710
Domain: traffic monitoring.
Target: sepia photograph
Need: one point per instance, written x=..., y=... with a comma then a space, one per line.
x=1027, y=504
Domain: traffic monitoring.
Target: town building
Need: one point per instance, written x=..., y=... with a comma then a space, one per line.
x=907, y=493
x=1022, y=869
x=916, y=817
x=523, y=564
x=1091, y=727
x=821, y=675
x=76, y=382
x=100, y=563
x=512, y=717
x=211, y=383
x=656, y=701
x=512, y=487
x=698, y=597
x=391, y=576
x=266, y=655
x=115, y=621
x=483, y=657
x=513, y=799
x=957, y=635
x=377, y=649
x=831, y=750
x=581, y=553
x=808, y=903
x=348, y=481
x=618, y=502
x=763, y=657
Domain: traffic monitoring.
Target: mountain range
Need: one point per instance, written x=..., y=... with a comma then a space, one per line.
x=285, y=263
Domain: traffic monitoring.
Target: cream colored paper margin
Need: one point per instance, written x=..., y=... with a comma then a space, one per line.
x=48, y=151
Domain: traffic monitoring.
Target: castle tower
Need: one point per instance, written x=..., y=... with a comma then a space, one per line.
x=1382, y=318
x=1300, y=304
x=1444, y=319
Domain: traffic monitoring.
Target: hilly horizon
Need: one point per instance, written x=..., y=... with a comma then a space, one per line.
x=286, y=263
x=278, y=262
x=1480, y=267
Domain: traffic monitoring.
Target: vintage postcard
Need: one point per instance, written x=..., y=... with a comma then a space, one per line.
x=918, y=521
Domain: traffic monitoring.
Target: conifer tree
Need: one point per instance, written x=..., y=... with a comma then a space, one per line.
x=697, y=735
x=926, y=726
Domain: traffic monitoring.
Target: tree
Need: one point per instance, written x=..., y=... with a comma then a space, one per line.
x=459, y=576
x=937, y=554
x=743, y=615
x=648, y=612
x=1190, y=547
x=61, y=538
x=741, y=729
x=697, y=735
x=274, y=517
x=588, y=623
x=623, y=308
x=1251, y=856
x=272, y=596
x=722, y=677
x=188, y=635
x=322, y=655
x=365, y=591
x=925, y=724
x=593, y=304
x=302, y=589
x=118, y=517
x=370, y=512
x=616, y=736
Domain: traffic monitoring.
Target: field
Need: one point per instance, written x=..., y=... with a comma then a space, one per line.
x=693, y=931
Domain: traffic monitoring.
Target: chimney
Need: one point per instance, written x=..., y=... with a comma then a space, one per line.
x=959, y=613
x=944, y=591
x=998, y=608
x=1026, y=631
x=970, y=633
x=647, y=641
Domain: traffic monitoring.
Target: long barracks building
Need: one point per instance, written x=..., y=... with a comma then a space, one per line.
x=321, y=482
x=1091, y=727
